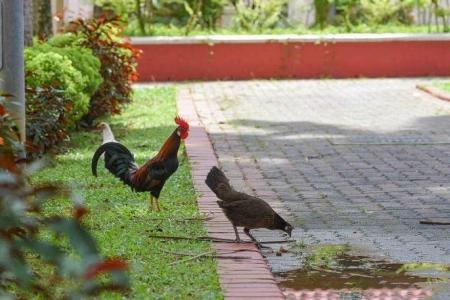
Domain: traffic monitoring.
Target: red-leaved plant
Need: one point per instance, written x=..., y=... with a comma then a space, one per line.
x=47, y=118
x=118, y=64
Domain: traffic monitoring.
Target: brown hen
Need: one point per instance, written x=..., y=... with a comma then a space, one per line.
x=242, y=209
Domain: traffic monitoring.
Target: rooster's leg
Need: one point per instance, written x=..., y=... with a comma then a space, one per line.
x=238, y=240
x=157, y=204
x=150, y=203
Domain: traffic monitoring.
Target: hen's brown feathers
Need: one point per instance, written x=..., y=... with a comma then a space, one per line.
x=220, y=185
x=243, y=209
x=249, y=213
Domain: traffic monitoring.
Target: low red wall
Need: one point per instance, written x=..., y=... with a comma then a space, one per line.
x=185, y=59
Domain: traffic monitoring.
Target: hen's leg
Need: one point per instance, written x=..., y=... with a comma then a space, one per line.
x=247, y=232
x=238, y=240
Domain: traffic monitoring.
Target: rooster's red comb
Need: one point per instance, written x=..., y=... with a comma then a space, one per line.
x=182, y=123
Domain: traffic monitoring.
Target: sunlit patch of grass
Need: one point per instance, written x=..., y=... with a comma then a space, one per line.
x=120, y=219
x=445, y=86
x=424, y=266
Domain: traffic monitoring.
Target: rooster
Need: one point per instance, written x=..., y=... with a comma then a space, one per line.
x=242, y=209
x=152, y=176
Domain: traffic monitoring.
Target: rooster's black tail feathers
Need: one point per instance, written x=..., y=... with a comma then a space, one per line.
x=118, y=160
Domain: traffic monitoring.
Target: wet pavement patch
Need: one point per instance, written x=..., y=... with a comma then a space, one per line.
x=332, y=267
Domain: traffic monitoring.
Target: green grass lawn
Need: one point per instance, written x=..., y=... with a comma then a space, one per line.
x=120, y=219
x=445, y=86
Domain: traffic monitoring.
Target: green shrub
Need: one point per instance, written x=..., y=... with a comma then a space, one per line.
x=82, y=59
x=258, y=14
x=85, y=62
x=64, y=40
x=379, y=11
x=57, y=71
x=322, y=8
x=349, y=13
x=374, y=13
x=203, y=13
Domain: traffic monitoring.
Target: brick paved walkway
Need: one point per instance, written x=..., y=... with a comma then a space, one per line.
x=348, y=161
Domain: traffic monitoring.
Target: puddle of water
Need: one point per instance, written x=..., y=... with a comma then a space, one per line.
x=331, y=267
x=351, y=272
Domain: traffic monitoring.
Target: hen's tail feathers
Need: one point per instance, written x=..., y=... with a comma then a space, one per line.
x=118, y=160
x=217, y=181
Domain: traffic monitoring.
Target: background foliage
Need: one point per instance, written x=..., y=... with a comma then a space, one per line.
x=74, y=78
x=258, y=14
x=142, y=15
x=159, y=17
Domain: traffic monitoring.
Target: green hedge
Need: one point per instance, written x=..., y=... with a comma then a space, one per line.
x=82, y=59
x=55, y=70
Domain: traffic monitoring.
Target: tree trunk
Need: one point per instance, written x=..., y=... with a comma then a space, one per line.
x=12, y=71
x=28, y=22
x=44, y=19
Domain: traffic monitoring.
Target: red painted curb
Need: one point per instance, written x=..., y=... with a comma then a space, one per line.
x=434, y=92
x=292, y=59
x=240, y=278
